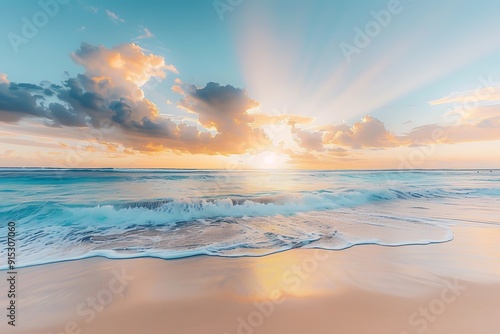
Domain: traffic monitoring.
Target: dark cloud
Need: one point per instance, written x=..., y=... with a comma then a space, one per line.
x=25, y=86
x=221, y=107
x=122, y=112
x=137, y=123
x=225, y=109
x=60, y=115
x=48, y=92
x=18, y=103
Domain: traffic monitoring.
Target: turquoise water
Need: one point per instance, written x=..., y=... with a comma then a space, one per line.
x=120, y=213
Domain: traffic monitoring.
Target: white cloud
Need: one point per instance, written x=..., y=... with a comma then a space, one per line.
x=490, y=93
x=114, y=17
x=92, y=9
x=145, y=33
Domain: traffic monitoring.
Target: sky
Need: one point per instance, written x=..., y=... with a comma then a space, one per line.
x=249, y=84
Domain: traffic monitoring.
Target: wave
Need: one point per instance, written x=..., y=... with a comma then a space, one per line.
x=185, y=209
x=171, y=210
x=226, y=237
x=179, y=213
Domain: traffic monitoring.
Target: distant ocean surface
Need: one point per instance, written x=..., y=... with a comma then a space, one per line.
x=126, y=213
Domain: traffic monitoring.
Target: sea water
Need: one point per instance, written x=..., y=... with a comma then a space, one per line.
x=64, y=214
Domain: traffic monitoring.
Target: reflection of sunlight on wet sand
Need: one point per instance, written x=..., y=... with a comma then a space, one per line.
x=480, y=249
x=306, y=273
x=291, y=274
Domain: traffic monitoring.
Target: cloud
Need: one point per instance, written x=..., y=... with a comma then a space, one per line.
x=473, y=122
x=467, y=98
x=121, y=70
x=478, y=124
x=108, y=93
x=107, y=104
x=108, y=98
x=114, y=17
x=219, y=107
x=145, y=33
x=370, y=132
x=3, y=78
x=290, y=119
x=481, y=123
x=226, y=110
x=310, y=140
x=92, y=9
x=25, y=86
x=476, y=115
x=18, y=101
x=67, y=116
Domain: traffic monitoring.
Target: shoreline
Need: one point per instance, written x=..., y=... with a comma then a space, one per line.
x=104, y=257
x=370, y=289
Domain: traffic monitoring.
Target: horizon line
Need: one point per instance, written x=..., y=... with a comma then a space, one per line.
x=249, y=169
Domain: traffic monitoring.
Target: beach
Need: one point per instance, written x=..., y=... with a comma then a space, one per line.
x=272, y=253
x=250, y=167
x=451, y=287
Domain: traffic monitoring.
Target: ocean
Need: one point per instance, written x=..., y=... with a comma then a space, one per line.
x=126, y=213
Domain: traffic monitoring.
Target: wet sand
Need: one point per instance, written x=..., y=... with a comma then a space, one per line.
x=452, y=287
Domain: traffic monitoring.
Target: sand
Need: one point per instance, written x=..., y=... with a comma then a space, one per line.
x=452, y=287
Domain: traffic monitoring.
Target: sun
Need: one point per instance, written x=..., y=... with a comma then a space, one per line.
x=269, y=160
